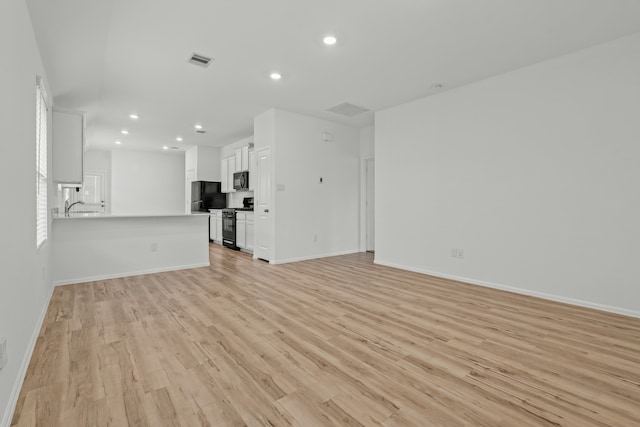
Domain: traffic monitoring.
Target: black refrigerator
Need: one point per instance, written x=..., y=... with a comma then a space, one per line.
x=206, y=195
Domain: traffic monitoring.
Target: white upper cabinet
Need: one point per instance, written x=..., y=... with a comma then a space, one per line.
x=244, y=158
x=230, y=171
x=252, y=170
x=227, y=170
x=238, y=160
x=68, y=147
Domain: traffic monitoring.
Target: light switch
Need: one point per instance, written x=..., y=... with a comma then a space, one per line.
x=3, y=352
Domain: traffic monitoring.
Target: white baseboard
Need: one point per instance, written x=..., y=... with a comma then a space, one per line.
x=551, y=297
x=22, y=372
x=307, y=258
x=127, y=274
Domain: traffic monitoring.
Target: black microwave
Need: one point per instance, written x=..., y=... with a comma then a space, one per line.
x=241, y=181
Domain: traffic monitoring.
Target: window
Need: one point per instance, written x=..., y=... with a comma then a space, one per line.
x=41, y=164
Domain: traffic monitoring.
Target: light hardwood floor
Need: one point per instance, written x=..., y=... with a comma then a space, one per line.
x=337, y=341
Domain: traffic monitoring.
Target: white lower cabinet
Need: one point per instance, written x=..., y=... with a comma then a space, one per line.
x=244, y=230
x=250, y=233
x=241, y=233
x=215, y=225
x=212, y=227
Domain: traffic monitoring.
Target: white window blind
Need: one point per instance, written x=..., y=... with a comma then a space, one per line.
x=41, y=164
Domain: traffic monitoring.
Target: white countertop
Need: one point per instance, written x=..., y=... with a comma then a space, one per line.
x=95, y=215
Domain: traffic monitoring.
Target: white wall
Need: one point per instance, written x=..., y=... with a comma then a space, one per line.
x=534, y=174
x=25, y=284
x=367, y=142
x=306, y=208
x=88, y=249
x=208, y=163
x=264, y=133
x=205, y=161
x=147, y=183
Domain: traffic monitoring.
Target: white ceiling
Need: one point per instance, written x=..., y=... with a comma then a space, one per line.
x=111, y=58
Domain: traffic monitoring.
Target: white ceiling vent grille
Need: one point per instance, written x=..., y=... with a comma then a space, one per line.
x=346, y=109
x=200, y=60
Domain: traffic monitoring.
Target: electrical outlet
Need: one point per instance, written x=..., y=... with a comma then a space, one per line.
x=154, y=247
x=3, y=352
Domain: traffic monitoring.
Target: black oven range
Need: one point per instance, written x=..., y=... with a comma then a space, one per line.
x=229, y=229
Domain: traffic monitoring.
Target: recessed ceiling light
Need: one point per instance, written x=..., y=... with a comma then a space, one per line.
x=198, y=126
x=165, y=148
x=329, y=40
x=179, y=139
x=118, y=142
x=124, y=132
x=275, y=76
x=134, y=116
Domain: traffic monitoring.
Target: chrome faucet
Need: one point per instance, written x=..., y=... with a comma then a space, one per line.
x=67, y=206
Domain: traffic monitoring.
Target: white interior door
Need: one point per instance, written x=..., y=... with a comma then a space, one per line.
x=263, y=203
x=370, y=208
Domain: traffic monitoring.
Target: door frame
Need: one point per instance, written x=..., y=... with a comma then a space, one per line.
x=363, y=202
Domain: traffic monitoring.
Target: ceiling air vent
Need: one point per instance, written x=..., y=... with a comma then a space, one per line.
x=346, y=109
x=200, y=60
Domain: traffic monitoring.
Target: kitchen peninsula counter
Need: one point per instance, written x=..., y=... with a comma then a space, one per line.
x=90, y=247
x=95, y=215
